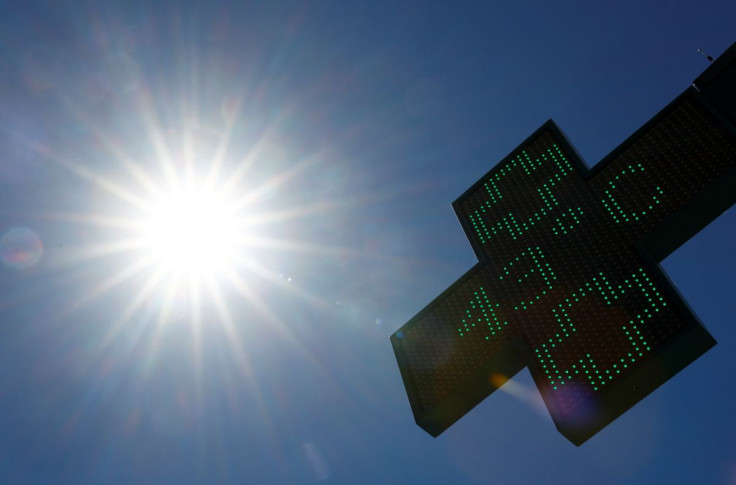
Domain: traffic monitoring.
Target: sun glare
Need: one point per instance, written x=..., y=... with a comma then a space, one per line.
x=192, y=231
x=189, y=217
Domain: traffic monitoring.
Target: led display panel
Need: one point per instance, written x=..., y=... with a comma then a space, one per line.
x=568, y=282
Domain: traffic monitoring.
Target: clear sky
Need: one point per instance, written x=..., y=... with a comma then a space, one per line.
x=340, y=132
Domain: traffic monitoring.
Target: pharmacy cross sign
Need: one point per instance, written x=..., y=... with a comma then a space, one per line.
x=568, y=282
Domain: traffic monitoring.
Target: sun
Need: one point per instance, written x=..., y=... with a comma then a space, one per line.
x=178, y=234
x=192, y=230
x=190, y=220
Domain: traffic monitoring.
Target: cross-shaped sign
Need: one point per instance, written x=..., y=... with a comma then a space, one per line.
x=568, y=282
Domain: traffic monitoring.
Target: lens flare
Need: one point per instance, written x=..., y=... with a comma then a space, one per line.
x=20, y=247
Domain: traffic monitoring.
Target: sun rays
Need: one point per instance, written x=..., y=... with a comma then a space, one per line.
x=214, y=213
x=180, y=218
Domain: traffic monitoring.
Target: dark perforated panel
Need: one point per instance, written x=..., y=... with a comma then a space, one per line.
x=559, y=274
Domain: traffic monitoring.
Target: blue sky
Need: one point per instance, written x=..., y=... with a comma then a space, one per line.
x=353, y=126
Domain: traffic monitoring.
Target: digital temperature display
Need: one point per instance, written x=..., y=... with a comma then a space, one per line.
x=568, y=282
